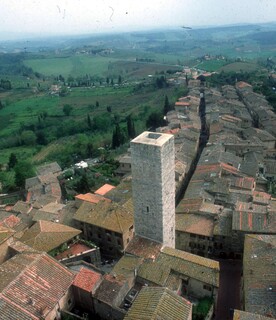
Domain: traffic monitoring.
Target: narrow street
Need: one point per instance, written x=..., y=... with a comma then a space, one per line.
x=229, y=289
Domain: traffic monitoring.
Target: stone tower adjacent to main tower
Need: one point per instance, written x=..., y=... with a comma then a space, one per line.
x=153, y=186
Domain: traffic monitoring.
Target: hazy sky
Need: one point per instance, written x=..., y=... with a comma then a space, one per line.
x=87, y=16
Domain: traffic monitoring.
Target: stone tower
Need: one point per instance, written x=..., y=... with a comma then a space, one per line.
x=153, y=186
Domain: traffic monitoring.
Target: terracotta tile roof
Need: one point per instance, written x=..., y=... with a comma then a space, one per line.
x=35, y=285
x=104, y=189
x=189, y=205
x=243, y=182
x=91, y=197
x=182, y=104
x=122, y=193
x=5, y=234
x=110, y=216
x=111, y=290
x=259, y=274
x=195, y=223
x=52, y=167
x=159, y=303
x=184, y=263
x=145, y=248
x=10, y=222
x=127, y=266
x=254, y=222
x=46, y=235
x=22, y=207
x=74, y=249
x=10, y=311
x=87, y=280
x=242, y=84
x=242, y=315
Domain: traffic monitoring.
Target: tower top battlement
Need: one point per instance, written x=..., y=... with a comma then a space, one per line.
x=152, y=138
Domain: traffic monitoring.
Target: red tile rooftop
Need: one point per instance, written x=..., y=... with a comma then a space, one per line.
x=91, y=197
x=183, y=104
x=144, y=248
x=87, y=279
x=172, y=131
x=10, y=222
x=104, y=189
x=242, y=84
x=75, y=249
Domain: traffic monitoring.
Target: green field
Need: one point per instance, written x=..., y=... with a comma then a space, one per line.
x=240, y=66
x=75, y=65
x=211, y=65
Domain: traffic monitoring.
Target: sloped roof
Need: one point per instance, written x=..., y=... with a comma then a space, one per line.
x=91, y=197
x=143, y=247
x=104, y=189
x=46, y=235
x=87, y=280
x=194, y=223
x=254, y=222
x=52, y=167
x=22, y=207
x=159, y=303
x=33, y=283
x=242, y=315
x=110, y=288
x=110, y=216
x=259, y=274
x=190, y=265
x=9, y=311
x=10, y=222
x=5, y=233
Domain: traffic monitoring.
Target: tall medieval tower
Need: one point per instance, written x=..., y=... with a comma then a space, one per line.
x=153, y=186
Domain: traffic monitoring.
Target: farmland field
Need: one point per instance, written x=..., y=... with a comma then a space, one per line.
x=240, y=66
x=75, y=65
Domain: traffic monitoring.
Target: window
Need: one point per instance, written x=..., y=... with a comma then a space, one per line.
x=206, y=287
x=192, y=235
x=201, y=237
x=99, y=236
x=119, y=242
x=109, y=239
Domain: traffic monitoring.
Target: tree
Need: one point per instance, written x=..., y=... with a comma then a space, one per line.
x=28, y=137
x=89, y=123
x=23, y=170
x=155, y=120
x=119, y=79
x=1, y=105
x=41, y=138
x=107, y=80
x=108, y=109
x=130, y=127
x=117, y=137
x=83, y=184
x=67, y=109
x=112, y=82
x=167, y=106
x=97, y=104
x=12, y=160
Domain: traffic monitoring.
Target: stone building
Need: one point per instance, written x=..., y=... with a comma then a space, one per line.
x=153, y=183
